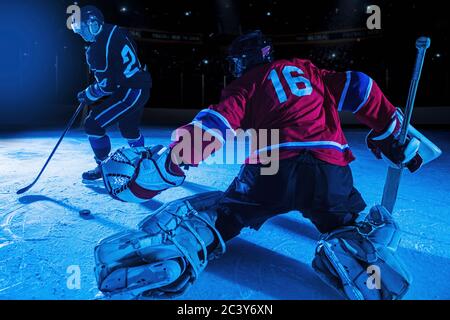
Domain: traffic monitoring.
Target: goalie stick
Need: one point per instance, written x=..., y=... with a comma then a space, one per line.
x=74, y=117
x=395, y=174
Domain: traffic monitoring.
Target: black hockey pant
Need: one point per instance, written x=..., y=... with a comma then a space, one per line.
x=125, y=108
x=322, y=192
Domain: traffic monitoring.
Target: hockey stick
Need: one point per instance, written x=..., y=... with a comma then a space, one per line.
x=395, y=174
x=74, y=117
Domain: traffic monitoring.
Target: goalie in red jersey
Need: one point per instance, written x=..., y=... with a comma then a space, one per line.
x=301, y=102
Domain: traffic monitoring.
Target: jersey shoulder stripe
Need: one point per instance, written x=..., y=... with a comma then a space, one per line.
x=356, y=91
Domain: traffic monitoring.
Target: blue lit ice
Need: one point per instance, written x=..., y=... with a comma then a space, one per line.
x=42, y=234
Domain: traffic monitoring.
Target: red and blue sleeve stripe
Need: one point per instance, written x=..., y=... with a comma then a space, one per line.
x=214, y=123
x=358, y=87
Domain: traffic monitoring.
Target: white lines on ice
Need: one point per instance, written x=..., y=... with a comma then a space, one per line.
x=5, y=242
x=11, y=286
x=6, y=225
x=421, y=236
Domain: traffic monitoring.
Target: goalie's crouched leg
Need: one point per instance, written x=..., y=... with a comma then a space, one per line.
x=166, y=255
x=360, y=261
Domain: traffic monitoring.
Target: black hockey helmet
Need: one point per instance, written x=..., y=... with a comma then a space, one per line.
x=247, y=51
x=89, y=23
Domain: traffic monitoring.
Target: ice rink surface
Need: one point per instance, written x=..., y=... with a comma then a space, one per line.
x=42, y=234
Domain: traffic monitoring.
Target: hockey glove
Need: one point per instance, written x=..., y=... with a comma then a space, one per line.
x=139, y=174
x=83, y=98
x=385, y=145
x=157, y=172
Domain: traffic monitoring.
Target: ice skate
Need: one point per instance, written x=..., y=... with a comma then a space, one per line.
x=93, y=175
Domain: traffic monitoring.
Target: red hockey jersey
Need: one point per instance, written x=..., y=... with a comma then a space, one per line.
x=301, y=101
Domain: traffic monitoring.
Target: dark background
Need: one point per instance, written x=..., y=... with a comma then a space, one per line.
x=184, y=42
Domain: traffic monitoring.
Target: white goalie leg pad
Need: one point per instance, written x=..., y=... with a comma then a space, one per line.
x=166, y=255
x=347, y=258
x=121, y=268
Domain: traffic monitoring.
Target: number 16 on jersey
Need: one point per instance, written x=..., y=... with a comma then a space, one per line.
x=292, y=80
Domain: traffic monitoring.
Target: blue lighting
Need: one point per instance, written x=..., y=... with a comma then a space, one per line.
x=41, y=61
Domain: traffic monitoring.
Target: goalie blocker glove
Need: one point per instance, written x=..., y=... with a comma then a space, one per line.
x=417, y=151
x=139, y=174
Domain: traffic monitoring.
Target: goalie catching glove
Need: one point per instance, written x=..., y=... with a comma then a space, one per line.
x=139, y=174
x=417, y=151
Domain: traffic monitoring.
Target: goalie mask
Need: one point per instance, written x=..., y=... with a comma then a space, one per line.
x=248, y=51
x=137, y=175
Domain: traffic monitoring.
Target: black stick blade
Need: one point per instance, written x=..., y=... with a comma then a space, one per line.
x=22, y=191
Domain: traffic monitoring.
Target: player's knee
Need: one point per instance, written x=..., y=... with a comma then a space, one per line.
x=336, y=208
x=133, y=135
x=129, y=132
x=327, y=222
x=329, y=216
x=228, y=225
x=360, y=261
x=92, y=127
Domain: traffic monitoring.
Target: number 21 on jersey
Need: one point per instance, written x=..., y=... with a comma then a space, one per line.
x=129, y=58
x=292, y=80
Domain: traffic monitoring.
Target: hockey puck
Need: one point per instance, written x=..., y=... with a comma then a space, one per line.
x=85, y=213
